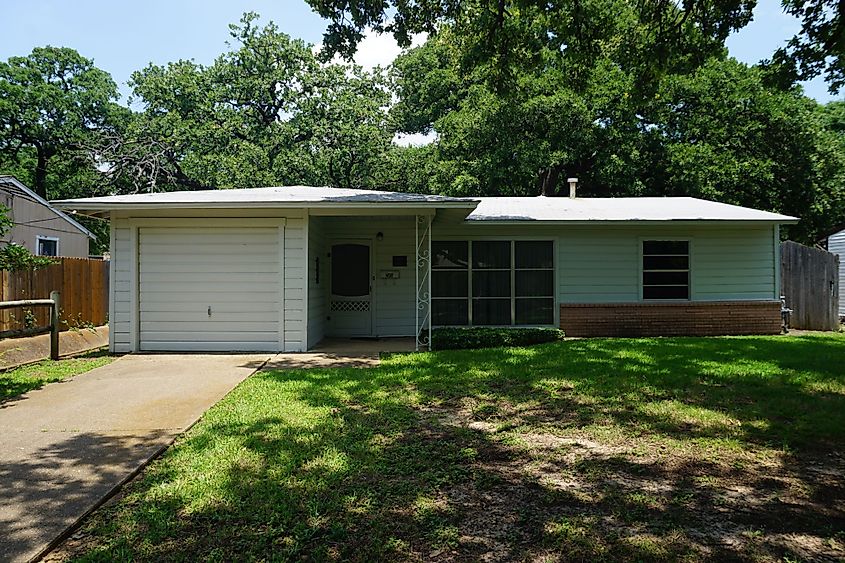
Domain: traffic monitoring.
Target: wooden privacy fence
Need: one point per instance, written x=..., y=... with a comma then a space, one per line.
x=82, y=282
x=810, y=283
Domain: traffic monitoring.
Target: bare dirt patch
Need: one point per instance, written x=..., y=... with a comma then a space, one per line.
x=564, y=496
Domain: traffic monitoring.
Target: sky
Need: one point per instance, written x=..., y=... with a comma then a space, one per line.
x=122, y=36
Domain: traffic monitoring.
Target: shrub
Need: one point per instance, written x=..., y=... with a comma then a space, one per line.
x=490, y=337
x=16, y=258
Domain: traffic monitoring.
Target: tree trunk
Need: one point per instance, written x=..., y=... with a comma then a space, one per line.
x=547, y=180
x=40, y=186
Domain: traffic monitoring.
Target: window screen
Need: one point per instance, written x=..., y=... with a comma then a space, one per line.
x=450, y=283
x=534, y=280
x=499, y=282
x=666, y=269
x=350, y=270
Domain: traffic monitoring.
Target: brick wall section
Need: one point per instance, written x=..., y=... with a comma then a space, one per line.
x=671, y=319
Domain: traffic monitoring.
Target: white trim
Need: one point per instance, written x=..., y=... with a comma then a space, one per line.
x=652, y=222
x=39, y=238
x=776, y=260
x=307, y=283
x=134, y=290
x=112, y=274
x=61, y=214
x=282, y=282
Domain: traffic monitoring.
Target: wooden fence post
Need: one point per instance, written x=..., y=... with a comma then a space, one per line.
x=55, y=296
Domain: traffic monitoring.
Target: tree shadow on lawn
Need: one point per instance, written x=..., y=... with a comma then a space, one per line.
x=468, y=456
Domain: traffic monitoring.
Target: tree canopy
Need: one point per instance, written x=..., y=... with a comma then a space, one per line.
x=51, y=101
x=633, y=98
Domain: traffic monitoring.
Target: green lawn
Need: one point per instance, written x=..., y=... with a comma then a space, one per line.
x=33, y=376
x=604, y=449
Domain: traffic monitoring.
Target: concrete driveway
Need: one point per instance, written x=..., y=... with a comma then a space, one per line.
x=64, y=447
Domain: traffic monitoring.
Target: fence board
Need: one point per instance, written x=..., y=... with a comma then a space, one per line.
x=82, y=282
x=810, y=283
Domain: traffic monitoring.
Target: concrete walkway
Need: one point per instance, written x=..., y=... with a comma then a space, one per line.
x=65, y=446
x=342, y=353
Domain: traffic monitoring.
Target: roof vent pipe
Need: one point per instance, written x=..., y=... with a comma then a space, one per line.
x=573, y=183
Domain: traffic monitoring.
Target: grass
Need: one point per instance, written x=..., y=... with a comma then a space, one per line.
x=605, y=449
x=19, y=380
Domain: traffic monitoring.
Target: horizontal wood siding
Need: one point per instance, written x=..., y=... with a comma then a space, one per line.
x=295, y=339
x=188, y=271
x=836, y=245
x=119, y=320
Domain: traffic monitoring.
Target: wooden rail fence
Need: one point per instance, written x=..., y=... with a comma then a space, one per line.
x=810, y=283
x=82, y=282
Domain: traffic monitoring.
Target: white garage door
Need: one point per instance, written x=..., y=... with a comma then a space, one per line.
x=209, y=289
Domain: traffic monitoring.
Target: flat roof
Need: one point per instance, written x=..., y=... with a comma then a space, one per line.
x=565, y=209
x=281, y=196
x=481, y=209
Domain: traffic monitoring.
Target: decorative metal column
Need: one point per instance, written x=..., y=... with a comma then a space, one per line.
x=423, y=281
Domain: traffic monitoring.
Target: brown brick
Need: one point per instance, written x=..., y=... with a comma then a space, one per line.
x=710, y=318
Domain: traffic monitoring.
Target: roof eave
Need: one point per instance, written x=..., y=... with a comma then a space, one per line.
x=785, y=221
x=93, y=207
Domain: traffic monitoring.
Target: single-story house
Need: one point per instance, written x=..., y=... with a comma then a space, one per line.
x=836, y=245
x=280, y=268
x=38, y=226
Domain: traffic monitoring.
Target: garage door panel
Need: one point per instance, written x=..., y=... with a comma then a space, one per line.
x=171, y=316
x=204, y=235
x=188, y=346
x=271, y=279
x=211, y=337
x=244, y=257
x=211, y=268
x=218, y=297
x=183, y=272
x=201, y=327
x=212, y=286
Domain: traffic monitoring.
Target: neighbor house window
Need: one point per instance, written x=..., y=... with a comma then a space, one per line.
x=47, y=246
x=498, y=282
x=666, y=270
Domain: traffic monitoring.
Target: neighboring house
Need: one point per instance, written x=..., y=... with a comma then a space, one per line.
x=39, y=226
x=279, y=269
x=836, y=245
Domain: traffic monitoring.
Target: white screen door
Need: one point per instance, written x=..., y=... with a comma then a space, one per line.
x=351, y=292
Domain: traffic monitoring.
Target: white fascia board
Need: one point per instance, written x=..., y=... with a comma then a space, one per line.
x=690, y=222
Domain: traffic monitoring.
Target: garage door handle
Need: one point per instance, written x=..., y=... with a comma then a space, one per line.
x=209, y=310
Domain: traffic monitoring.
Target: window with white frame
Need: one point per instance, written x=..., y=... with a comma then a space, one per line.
x=47, y=246
x=666, y=271
x=493, y=283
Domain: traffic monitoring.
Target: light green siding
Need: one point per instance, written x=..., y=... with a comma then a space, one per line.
x=601, y=263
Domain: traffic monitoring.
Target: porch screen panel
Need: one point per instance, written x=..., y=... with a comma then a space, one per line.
x=450, y=283
x=491, y=282
x=534, y=280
